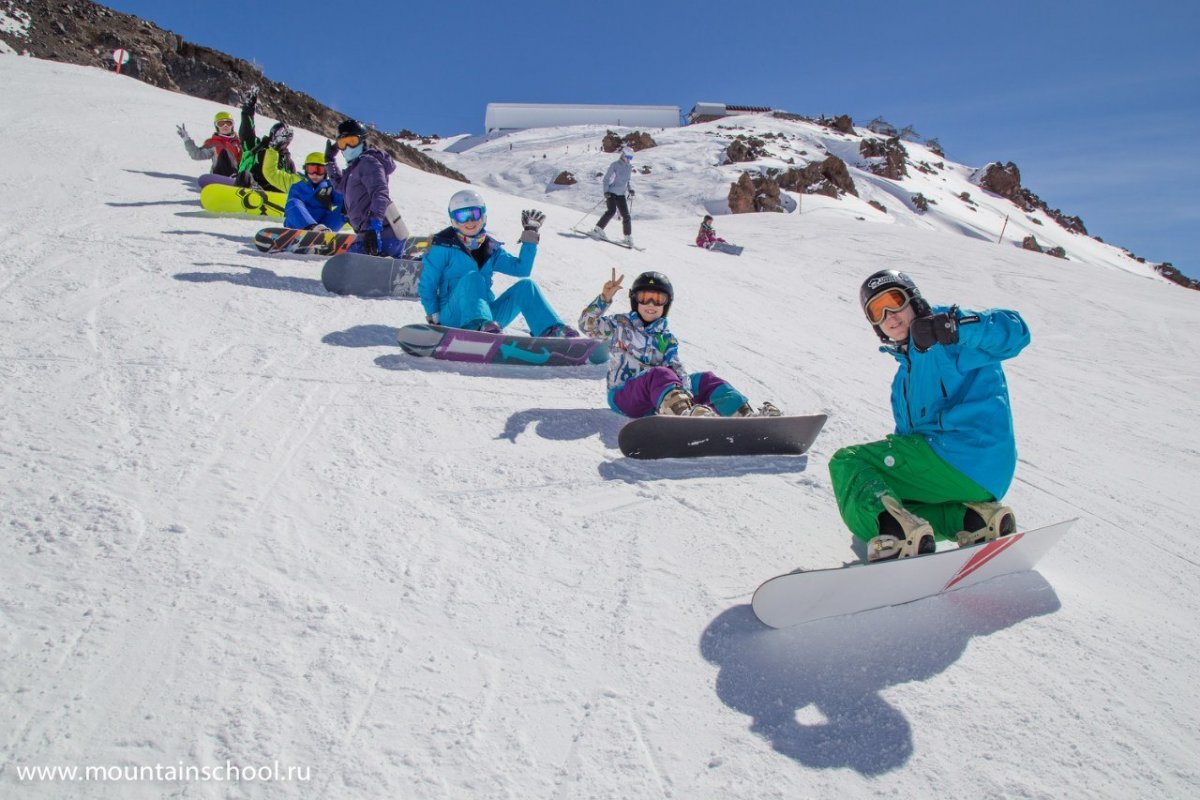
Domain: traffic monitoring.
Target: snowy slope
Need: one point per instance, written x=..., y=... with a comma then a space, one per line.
x=242, y=528
x=688, y=176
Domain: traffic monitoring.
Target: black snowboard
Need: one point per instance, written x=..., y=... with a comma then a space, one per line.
x=691, y=437
x=377, y=276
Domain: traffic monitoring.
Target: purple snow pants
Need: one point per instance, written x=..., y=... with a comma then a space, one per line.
x=640, y=395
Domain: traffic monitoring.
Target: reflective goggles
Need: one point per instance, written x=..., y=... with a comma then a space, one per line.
x=472, y=214
x=889, y=300
x=314, y=169
x=348, y=141
x=221, y=123
x=650, y=298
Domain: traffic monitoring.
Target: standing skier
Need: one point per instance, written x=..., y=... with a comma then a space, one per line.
x=266, y=162
x=953, y=455
x=645, y=375
x=222, y=148
x=313, y=203
x=364, y=185
x=616, y=188
x=457, y=271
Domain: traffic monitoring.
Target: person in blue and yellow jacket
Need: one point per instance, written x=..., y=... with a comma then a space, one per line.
x=943, y=472
x=457, y=271
x=313, y=203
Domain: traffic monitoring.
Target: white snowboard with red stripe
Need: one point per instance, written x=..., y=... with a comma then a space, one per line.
x=800, y=597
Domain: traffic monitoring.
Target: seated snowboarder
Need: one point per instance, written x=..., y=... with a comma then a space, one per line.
x=266, y=162
x=364, y=184
x=456, y=278
x=313, y=203
x=645, y=375
x=942, y=473
x=708, y=239
x=223, y=148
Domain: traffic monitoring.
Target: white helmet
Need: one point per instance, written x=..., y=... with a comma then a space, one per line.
x=467, y=198
x=626, y=152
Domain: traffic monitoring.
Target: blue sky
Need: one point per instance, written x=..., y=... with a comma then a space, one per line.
x=1099, y=105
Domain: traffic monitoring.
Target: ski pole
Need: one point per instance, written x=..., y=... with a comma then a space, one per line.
x=588, y=214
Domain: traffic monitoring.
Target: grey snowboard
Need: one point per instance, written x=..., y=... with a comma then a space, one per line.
x=691, y=437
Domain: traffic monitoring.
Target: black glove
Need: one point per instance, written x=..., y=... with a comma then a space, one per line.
x=532, y=219
x=925, y=332
x=324, y=196
x=631, y=192
x=372, y=242
x=281, y=136
x=251, y=100
x=331, y=150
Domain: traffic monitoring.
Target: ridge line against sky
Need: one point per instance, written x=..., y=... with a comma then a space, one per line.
x=1098, y=107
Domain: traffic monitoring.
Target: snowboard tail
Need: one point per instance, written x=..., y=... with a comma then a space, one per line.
x=223, y=199
x=801, y=597
x=362, y=275
x=477, y=347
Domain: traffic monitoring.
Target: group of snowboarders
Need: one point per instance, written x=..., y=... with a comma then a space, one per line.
x=940, y=476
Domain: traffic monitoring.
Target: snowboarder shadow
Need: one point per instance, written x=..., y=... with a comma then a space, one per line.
x=814, y=692
x=171, y=176
x=633, y=470
x=255, y=277
x=565, y=424
x=229, y=237
x=362, y=336
x=402, y=361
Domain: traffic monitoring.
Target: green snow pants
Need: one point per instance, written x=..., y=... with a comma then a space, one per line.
x=906, y=468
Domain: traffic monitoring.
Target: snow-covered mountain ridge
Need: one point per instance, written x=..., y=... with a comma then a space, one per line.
x=241, y=528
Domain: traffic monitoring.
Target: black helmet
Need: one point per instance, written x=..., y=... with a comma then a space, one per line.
x=891, y=279
x=651, y=280
x=351, y=127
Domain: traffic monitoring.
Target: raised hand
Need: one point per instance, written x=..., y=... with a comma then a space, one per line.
x=612, y=286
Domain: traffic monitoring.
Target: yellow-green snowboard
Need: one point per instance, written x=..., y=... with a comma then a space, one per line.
x=223, y=199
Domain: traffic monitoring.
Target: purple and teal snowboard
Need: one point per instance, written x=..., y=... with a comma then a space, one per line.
x=477, y=347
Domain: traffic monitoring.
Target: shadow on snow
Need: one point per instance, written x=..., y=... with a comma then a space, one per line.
x=814, y=692
x=404, y=361
x=255, y=277
x=566, y=424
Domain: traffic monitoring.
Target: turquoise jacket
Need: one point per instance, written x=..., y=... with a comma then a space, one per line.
x=956, y=395
x=447, y=262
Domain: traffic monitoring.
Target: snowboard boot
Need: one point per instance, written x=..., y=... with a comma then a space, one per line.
x=698, y=410
x=767, y=409
x=598, y=233
x=676, y=403
x=902, y=534
x=983, y=522
x=560, y=331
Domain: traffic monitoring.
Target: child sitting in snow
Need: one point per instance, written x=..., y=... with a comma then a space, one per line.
x=708, y=239
x=645, y=375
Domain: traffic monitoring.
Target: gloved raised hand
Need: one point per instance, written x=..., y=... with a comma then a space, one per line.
x=925, y=332
x=373, y=238
x=331, y=151
x=281, y=136
x=183, y=134
x=531, y=221
x=251, y=100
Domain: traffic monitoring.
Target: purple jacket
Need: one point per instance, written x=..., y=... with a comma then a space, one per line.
x=365, y=186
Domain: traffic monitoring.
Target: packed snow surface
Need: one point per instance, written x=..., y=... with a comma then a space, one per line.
x=243, y=529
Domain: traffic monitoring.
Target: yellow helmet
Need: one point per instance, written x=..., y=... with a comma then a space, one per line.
x=315, y=158
x=222, y=116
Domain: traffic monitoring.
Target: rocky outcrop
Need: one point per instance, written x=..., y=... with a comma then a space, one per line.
x=565, y=178
x=745, y=148
x=750, y=194
x=1005, y=180
x=1030, y=242
x=885, y=157
x=1168, y=271
x=761, y=191
x=86, y=33
x=638, y=140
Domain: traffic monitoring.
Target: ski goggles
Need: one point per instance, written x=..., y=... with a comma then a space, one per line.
x=889, y=300
x=659, y=299
x=222, y=123
x=348, y=141
x=472, y=214
x=314, y=169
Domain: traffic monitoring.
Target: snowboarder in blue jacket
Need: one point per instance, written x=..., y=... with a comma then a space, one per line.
x=943, y=472
x=313, y=204
x=457, y=271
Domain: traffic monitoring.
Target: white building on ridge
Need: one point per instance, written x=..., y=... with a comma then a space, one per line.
x=518, y=116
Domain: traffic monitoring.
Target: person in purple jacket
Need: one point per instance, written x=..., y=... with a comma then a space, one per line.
x=364, y=184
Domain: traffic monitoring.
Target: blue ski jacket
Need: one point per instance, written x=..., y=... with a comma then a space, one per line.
x=304, y=208
x=447, y=262
x=956, y=395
